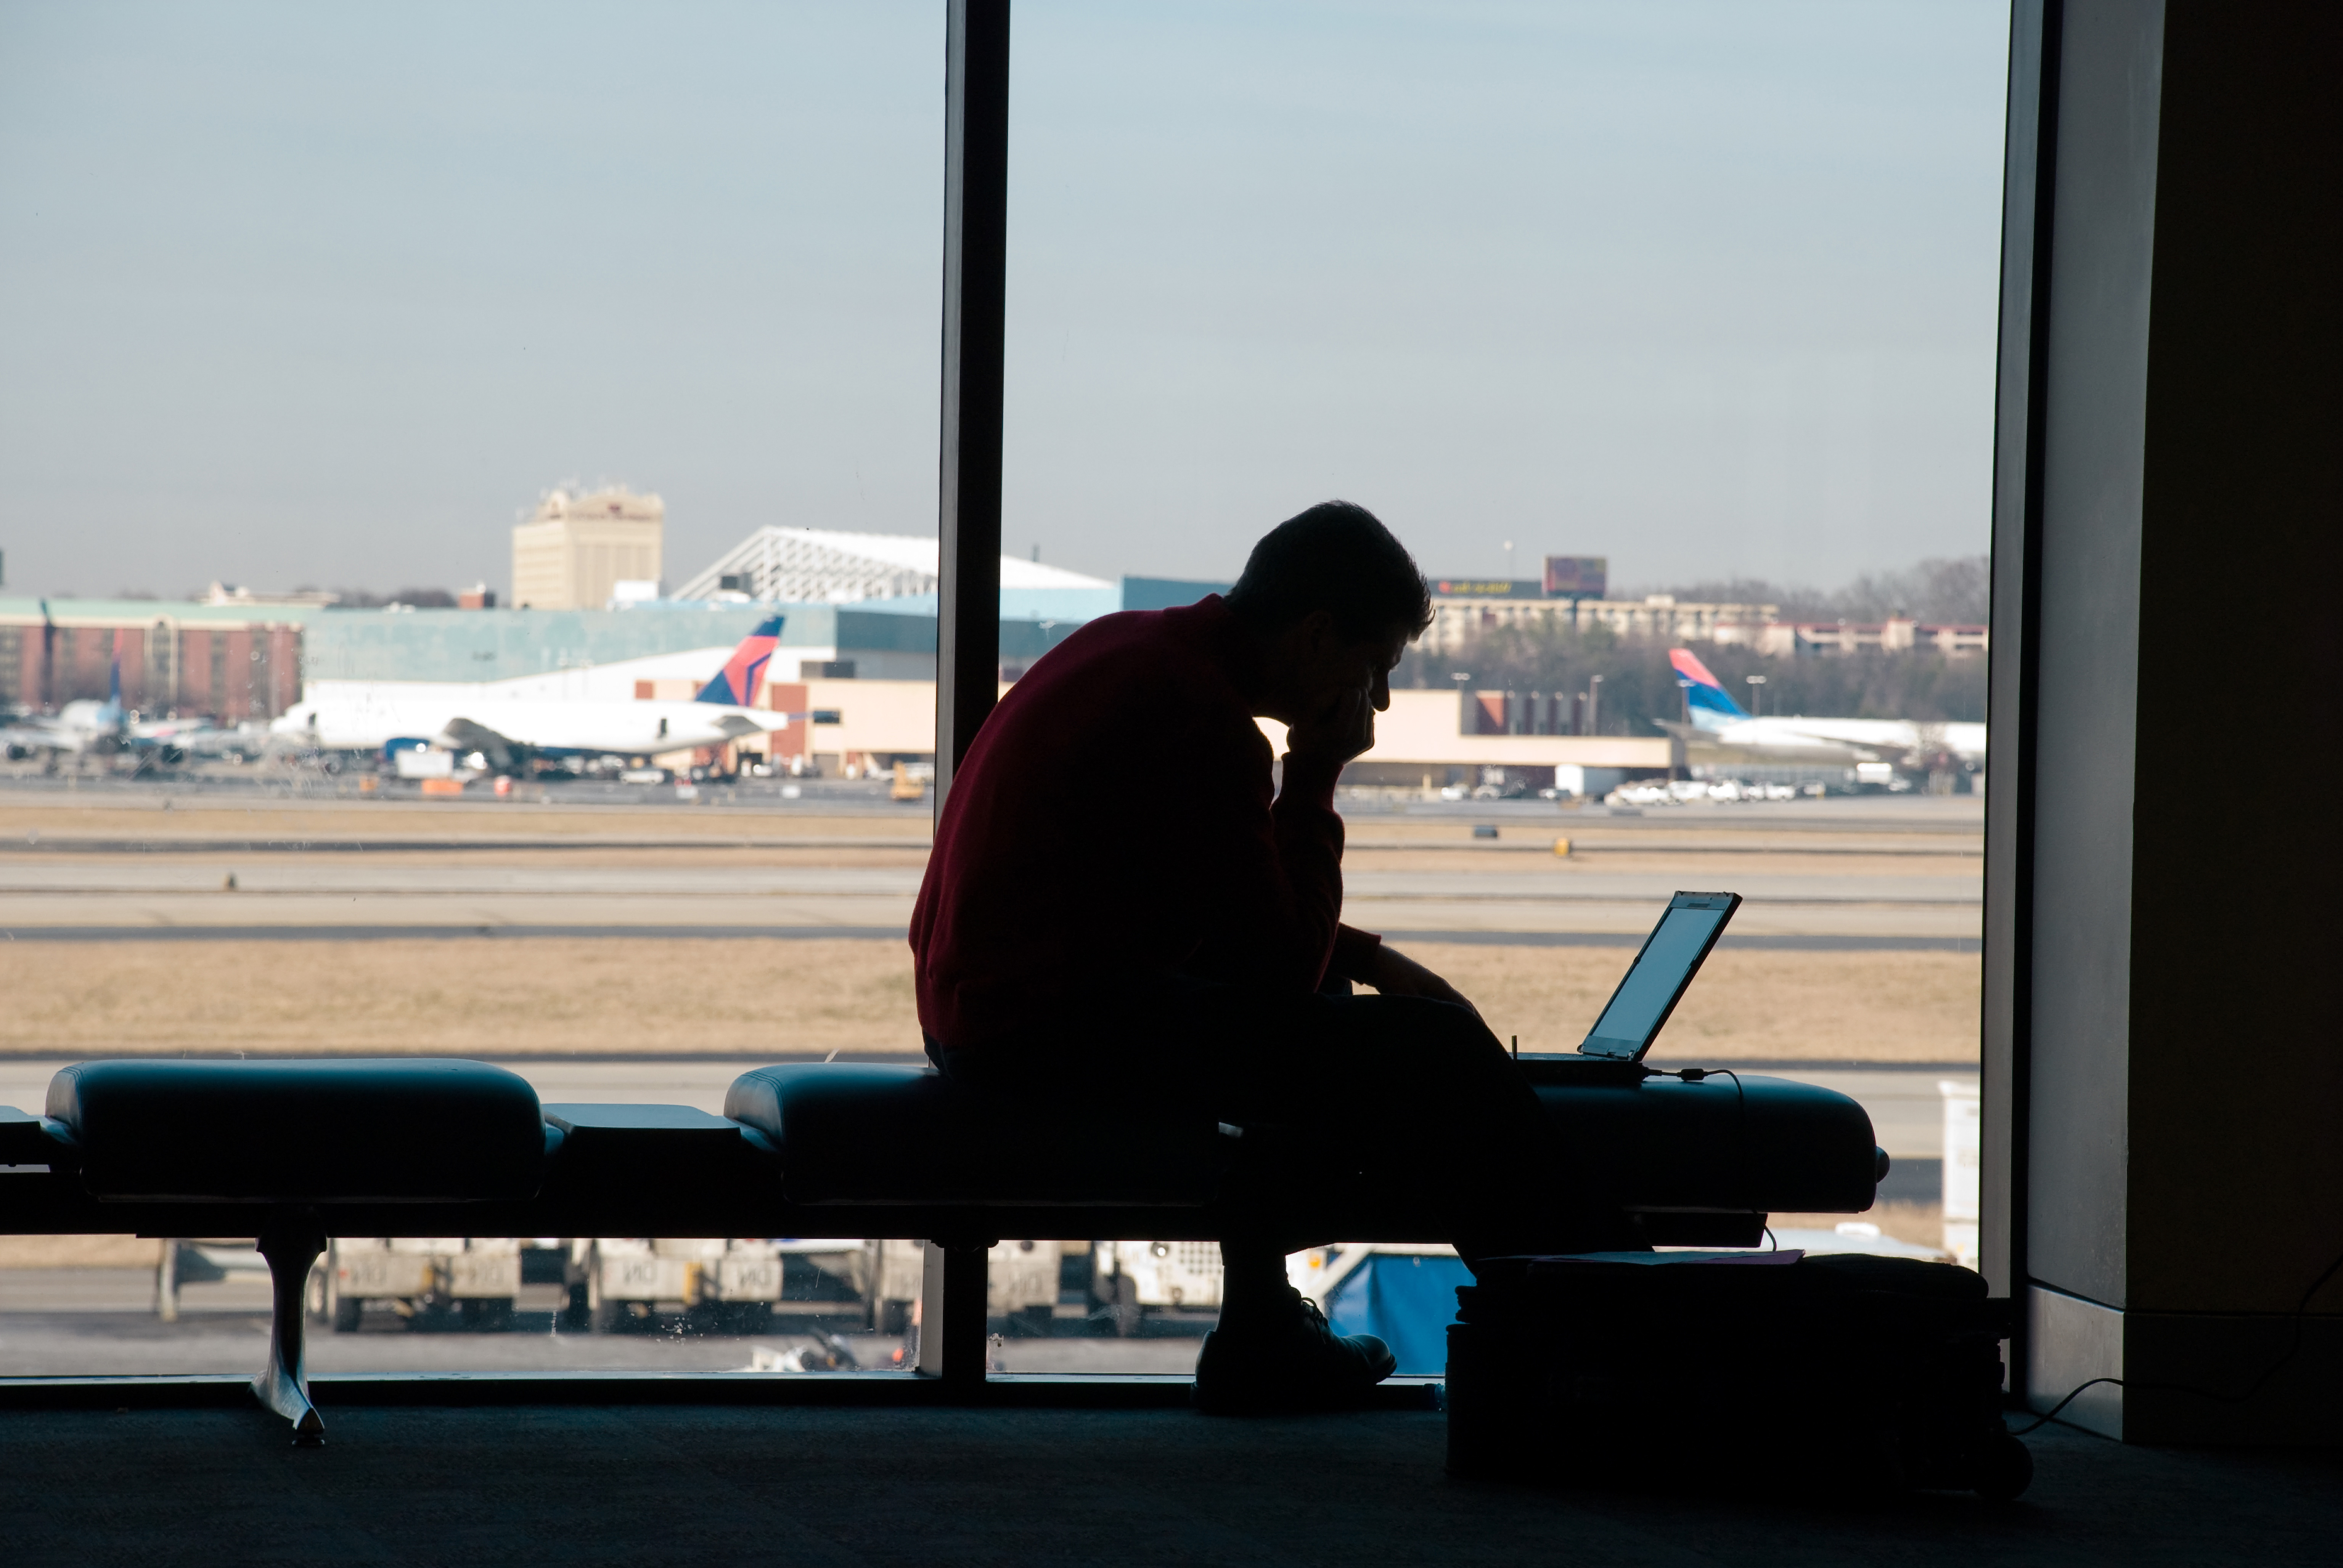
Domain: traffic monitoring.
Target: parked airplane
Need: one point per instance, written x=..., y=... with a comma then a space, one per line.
x=170, y=741
x=85, y=725
x=1719, y=720
x=351, y=716
x=108, y=729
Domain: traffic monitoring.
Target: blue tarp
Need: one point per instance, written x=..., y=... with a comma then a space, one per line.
x=1404, y=1299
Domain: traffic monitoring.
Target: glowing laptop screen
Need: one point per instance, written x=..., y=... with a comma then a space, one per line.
x=1651, y=987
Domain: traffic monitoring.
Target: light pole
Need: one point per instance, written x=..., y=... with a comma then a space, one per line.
x=1466, y=709
x=1756, y=683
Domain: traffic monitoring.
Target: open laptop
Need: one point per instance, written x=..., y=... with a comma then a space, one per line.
x=1614, y=1048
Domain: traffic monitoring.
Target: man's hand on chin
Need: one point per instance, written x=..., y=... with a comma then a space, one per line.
x=1396, y=974
x=1340, y=727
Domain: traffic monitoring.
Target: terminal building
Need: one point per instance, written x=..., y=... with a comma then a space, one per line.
x=828, y=566
x=1896, y=634
x=235, y=660
x=1464, y=610
x=583, y=551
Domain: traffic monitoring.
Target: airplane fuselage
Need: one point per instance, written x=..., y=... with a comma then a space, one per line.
x=85, y=724
x=366, y=716
x=1888, y=739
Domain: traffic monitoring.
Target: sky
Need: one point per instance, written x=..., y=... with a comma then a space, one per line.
x=297, y=294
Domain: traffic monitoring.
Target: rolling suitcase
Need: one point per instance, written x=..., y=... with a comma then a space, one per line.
x=1870, y=1374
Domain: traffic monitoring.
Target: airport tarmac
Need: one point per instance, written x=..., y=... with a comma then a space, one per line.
x=93, y=917
x=104, y=1325
x=90, y=864
x=84, y=868
x=31, y=885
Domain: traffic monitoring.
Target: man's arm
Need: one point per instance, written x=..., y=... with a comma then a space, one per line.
x=1361, y=958
x=1273, y=880
x=1260, y=876
x=1396, y=974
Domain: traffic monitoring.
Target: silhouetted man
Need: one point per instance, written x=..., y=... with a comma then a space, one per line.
x=1118, y=911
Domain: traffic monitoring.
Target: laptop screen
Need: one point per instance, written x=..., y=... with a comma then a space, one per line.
x=1645, y=997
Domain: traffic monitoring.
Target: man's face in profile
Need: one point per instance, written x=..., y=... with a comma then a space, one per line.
x=1368, y=665
x=1325, y=664
x=1330, y=685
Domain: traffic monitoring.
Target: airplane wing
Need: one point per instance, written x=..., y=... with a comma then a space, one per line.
x=243, y=740
x=38, y=732
x=462, y=735
x=22, y=739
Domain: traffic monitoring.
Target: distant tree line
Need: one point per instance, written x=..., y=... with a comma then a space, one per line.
x=414, y=598
x=1957, y=591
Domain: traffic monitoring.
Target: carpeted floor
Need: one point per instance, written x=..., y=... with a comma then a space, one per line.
x=929, y=1488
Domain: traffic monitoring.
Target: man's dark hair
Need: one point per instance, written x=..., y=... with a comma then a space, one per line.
x=1339, y=557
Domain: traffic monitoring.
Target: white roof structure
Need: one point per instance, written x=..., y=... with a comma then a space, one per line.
x=823, y=566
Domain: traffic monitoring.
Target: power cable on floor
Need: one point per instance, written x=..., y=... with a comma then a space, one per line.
x=2293, y=1348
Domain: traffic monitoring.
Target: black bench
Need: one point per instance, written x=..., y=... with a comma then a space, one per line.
x=295, y=1151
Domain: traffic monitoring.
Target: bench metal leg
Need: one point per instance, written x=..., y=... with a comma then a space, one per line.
x=952, y=1315
x=283, y=1384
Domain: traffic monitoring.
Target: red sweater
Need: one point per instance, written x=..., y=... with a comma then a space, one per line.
x=1112, y=826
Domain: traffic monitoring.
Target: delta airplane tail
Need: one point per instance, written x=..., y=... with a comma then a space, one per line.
x=735, y=685
x=1713, y=707
x=105, y=719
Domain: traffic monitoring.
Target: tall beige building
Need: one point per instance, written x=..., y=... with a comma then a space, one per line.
x=576, y=550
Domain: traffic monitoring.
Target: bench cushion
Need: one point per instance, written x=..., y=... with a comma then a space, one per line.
x=398, y=1129
x=1769, y=1144
x=857, y=1133
x=853, y=1132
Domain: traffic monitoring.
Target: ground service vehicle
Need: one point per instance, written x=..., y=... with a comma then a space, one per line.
x=738, y=1282
x=1131, y=1277
x=1021, y=1280
x=475, y=1278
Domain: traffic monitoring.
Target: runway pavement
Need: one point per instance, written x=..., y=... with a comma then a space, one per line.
x=30, y=887
x=1878, y=869
x=95, y=917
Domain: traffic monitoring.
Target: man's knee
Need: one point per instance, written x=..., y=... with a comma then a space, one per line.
x=1438, y=1036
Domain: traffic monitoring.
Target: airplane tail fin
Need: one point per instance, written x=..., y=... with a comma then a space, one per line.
x=1711, y=706
x=113, y=679
x=736, y=683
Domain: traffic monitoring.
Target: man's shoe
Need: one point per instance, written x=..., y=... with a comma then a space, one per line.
x=1287, y=1361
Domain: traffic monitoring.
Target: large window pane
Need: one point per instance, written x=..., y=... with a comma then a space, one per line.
x=1648, y=328
x=349, y=312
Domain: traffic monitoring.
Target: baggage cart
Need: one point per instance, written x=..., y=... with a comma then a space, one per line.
x=1132, y=1278
x=737, y=1283
x=1021, y=1280
x=476, y=1278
